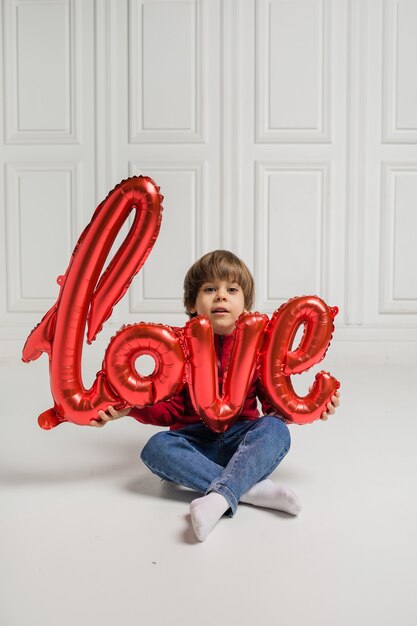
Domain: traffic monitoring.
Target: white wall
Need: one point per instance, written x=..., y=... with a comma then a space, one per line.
x=283, y=130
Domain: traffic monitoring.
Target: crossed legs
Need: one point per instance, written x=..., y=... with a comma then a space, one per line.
x=228, y=468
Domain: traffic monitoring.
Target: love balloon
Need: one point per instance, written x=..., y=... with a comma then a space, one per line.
x=186, y=355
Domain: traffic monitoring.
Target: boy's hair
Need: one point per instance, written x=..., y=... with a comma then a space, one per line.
x=217, y=265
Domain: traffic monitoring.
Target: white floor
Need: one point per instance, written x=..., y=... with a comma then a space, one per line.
x=90, y=537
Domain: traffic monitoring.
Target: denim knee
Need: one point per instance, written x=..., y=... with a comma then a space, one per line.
x=154, y=448
x=279, y=431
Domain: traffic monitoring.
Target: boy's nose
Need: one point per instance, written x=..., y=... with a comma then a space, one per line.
x=221, y=294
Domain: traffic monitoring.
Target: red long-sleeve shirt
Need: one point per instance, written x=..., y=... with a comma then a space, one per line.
x=178, y=411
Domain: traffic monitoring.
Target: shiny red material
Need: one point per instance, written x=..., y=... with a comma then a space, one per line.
x=278, y=361
x=84, y=298
x=161, y=343
x=219, y=413
x=182, y=355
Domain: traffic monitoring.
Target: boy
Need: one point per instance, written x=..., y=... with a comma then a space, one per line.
x=229, y=467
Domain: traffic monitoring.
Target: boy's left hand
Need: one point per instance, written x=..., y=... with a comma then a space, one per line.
x=331, y=407
x=109, y=416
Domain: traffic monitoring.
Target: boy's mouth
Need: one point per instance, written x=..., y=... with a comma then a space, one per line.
x=219, y=309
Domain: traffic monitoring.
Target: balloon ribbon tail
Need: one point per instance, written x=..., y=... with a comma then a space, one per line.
x=49, y=419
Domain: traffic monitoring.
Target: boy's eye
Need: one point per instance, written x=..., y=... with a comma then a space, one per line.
x=213, y=289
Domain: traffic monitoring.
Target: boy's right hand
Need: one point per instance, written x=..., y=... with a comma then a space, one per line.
x=109, y=416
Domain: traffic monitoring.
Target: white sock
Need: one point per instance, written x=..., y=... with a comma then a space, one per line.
x=270, y=496
x=206, y=512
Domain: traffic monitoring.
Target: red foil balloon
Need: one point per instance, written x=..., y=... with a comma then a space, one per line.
x=161, y=343
x=83, y=297
x=219, y=413
x=184, y=355
x=278, y=362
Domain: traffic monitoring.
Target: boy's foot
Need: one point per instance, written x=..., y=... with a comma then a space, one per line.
x=206, y=512
x=270, y=496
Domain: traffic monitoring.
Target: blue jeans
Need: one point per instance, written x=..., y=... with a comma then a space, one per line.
x=229, y=463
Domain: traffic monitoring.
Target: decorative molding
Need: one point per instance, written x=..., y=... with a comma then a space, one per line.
x=391, y=133
x=388, y=303
x=102, y=95
x=17, y=302
x=265, y=133
x=137, y=131
x=263, y=172
x=356, y=162
x=229, y=120
x=14, y=134
x=138, y=302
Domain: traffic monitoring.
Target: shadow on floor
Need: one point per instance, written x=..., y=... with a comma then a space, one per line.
x=151, y=485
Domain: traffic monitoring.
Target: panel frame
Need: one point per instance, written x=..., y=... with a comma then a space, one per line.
x=390, y=133
x=13, y=135
x=138, y=303
x=388, y=303
x=263, y=132
x=15, y=301
x=138, y=134
x=262, y=171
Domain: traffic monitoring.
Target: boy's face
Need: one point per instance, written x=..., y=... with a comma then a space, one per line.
x=222, y=302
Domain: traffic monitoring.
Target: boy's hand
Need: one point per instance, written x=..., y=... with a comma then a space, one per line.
x=109, y=416
x=331, y=407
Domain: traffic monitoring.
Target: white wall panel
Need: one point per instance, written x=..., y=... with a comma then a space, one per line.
x=159, y=285
x=280, y=129
x=182, y=154
x=387, y=152
x=49, y=95
x=40, y=218
x=398, y=241
x=166, y=71
x=290, y=227
x=293, y=58
x=40, y=65
x=400, y=82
